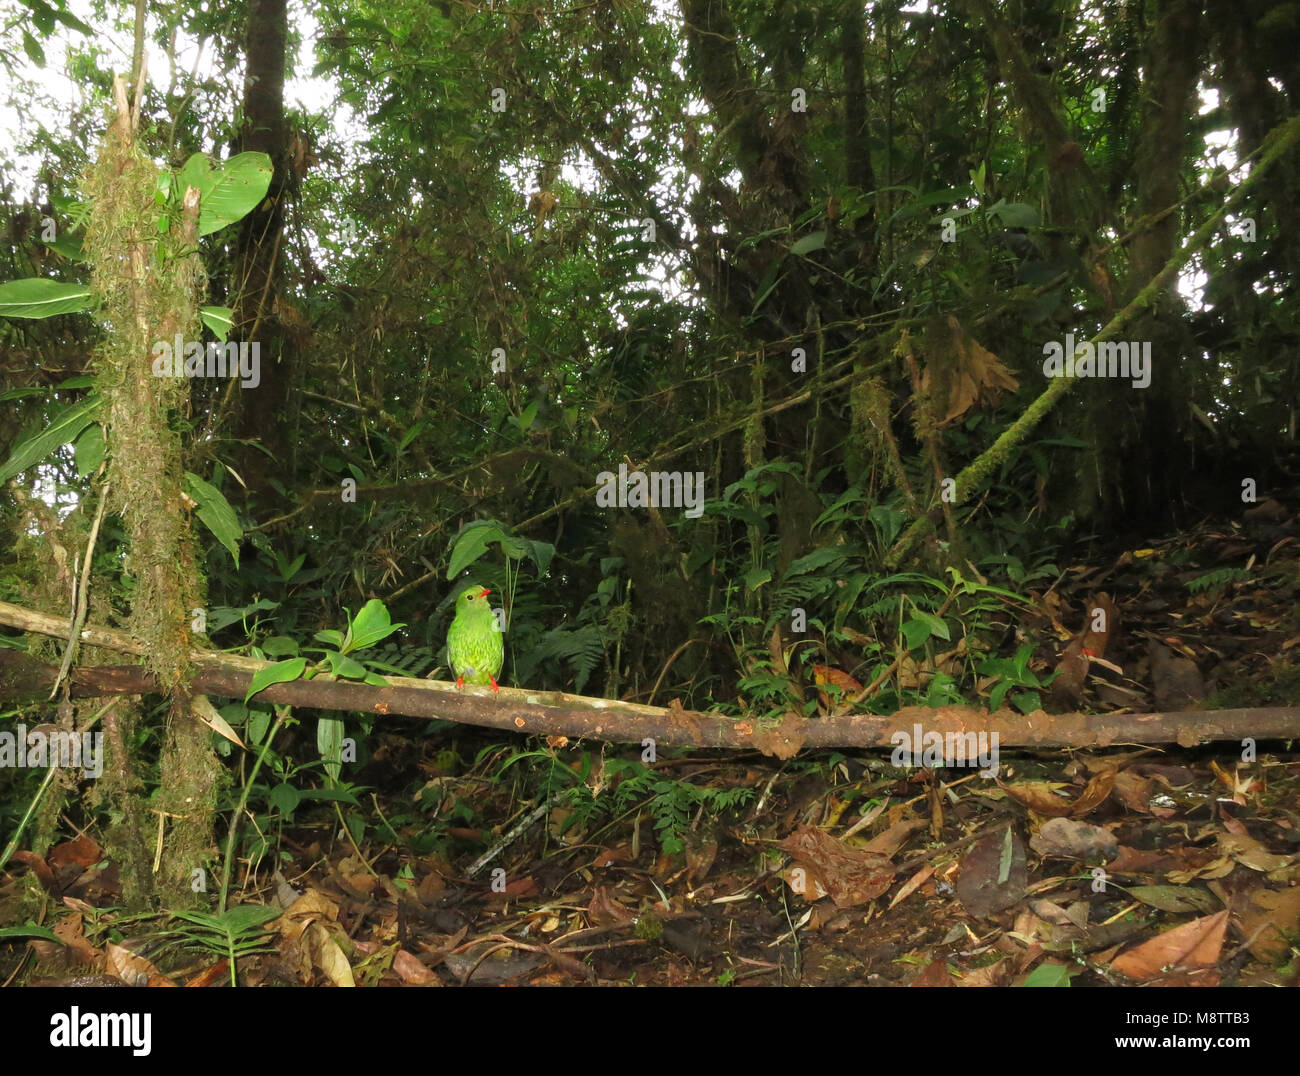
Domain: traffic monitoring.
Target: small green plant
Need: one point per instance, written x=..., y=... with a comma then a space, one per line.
x=1220, y=577
x=1014, y=673
x=236, y=933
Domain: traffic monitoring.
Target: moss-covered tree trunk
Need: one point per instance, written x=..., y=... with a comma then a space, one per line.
x=146, y=282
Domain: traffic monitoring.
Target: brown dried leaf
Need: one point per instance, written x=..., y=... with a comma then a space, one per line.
x=1188, y=947
x=1134, y=792
x=1068, y=838
x=1040, y=796
x=1250, y=853
x=1272, y=915
x=131, y=969
x=850, y=877
x=81, y=852
x=410, y=970
x=837, y=678
x=992, y=874
x=897, y=835
x=999, y=974
x=936, y=973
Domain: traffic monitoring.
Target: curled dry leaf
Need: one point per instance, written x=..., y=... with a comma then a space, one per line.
x=838, y=678
x=410, y=970
x=1192, y=946
x=1068, y=838
x=850, y=876
x=131, y=969
x=308, y=944
x=1250, y=853
x=1041, y=797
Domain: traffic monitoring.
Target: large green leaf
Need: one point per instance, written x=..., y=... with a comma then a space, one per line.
x=809, y=243
x=219, y=319
x=228, y=193
x=472, y=543
x=65, y=429
x=279, y=673
x=37, y=297
x=215, y=512
x=88, y=450
x=31, y=930
x=69, y=245
x=329, y=742
x=371, y=625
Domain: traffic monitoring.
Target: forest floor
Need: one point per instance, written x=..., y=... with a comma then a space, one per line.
x=1152, y=865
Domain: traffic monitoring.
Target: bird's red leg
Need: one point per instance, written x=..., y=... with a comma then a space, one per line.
x=460, y=683
x=495, y=689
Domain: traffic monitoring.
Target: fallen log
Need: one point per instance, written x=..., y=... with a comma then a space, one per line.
x=557, y=713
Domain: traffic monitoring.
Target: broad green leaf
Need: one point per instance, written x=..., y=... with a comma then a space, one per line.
x=1051, y=975
x=756, y=577
x=37, y=297
x=279, y=673
x=526, y=420
x=809, y=243
x=228, y=193
x=329, y=742
x=280, y=646
x=68, y=245
x=344, y=666
x=1016, y=215
x=371, y=624
x=818, y=558
x=285, y=798
x=88, y=450
x=541, y=554
x=915, y=632
x=70, y=20
x=33, y=49
x=219, y=319
x=258, y=722
x=336, y=795
x=937, y=624
x=514, y=548
x=471, y=544
x=31, y=930
x=64, y=429
x=216, y=513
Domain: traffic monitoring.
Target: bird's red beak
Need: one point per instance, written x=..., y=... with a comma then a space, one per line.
x=485, y=593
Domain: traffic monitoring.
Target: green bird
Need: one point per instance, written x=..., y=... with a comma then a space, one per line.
x=474, y=645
